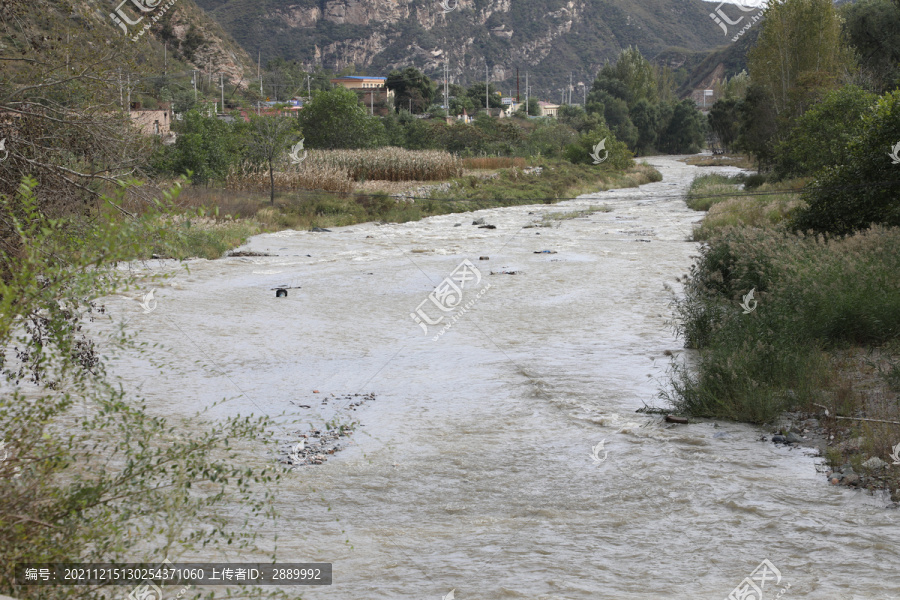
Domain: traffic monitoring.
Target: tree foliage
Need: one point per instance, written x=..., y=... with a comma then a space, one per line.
x=82, y=464
x=872, y=27
x=412, y=89
x=800, y=41
x=581, y=150
x=863, y=189
x=821, y=136
x=268, y=140
x=206, y=147
x=335, y=119
x=637, y=103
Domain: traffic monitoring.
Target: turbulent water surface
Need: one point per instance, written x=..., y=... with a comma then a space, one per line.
x=472, y=468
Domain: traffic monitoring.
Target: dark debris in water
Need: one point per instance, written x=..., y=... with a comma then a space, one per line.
x=313, y=447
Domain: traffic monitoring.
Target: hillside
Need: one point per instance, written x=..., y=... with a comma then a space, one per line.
x=549, y=39
x=185, y=38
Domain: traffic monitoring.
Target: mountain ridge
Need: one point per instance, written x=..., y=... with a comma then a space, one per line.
x=548, y=40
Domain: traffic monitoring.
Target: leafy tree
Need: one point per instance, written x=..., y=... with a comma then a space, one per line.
x=580, y=151
x=268, y=140
x=648, y=120
x=686, y=130
x=412, y=88
x=615, y=113
x=550, y=138
x=821, y=135
x=757, y=126
x=207, y=147
x=183, y=101
x=335, y=119
x=631, y=79
x=872, y=27
x=86, y=467
x=724, y=122
x=799, y=38
x=578, y=119
x=862, y=190
x=476, y=95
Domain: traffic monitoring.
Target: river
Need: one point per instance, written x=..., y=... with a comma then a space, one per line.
x=473, y=467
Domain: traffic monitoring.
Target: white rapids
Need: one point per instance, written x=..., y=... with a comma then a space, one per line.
x=473, y=469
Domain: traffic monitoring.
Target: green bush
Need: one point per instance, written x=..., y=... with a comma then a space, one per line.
x=620, y=157
x=864, y=189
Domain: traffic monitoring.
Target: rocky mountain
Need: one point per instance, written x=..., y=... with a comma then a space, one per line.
x=181, y=35
x=549, y=38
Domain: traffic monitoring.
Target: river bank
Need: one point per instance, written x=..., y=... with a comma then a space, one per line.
x=213, y=221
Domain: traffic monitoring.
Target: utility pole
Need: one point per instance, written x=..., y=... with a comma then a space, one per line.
x=487, y=107
x=165, y=58
x=259, y=72
x=194, y=81
x=222, y=83
x=308, y=92
x=570, y=88
x=121, y=98
x=517, y=85
x=526, y=94
x=372, y=102
x=128, y=84
x=446, y=85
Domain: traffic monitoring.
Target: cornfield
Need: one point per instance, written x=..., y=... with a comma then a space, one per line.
x=306, y=176
x=336, y=170
x=390, y=164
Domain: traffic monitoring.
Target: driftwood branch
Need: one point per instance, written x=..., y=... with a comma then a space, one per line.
x=855, y=418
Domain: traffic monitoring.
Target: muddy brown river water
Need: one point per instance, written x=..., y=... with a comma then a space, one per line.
x=474, y=468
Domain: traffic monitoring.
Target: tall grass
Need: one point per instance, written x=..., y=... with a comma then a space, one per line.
x=493, y=162
x=767, y=205
x=707, y=190
x=812, y=295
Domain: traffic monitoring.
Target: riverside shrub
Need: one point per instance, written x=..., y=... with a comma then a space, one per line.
x=812, y=293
